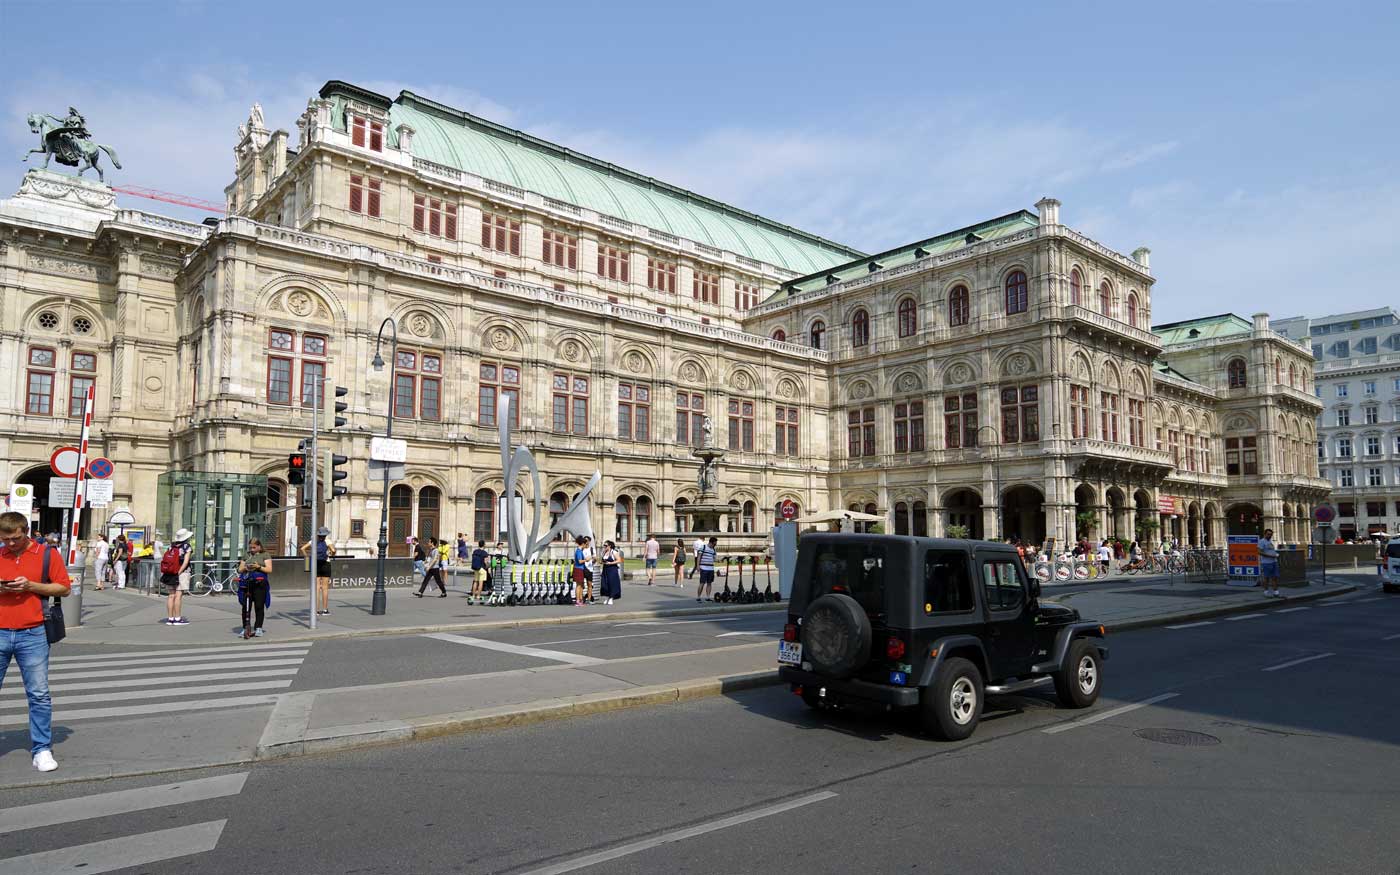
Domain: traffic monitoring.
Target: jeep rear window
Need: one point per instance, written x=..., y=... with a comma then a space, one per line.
x=856, y=569
x=947, y=585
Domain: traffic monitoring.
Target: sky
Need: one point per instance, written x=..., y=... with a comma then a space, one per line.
x=1252, y=146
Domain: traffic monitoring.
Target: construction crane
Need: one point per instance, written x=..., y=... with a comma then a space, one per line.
x=168, y=197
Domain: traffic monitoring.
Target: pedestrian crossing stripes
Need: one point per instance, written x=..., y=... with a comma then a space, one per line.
x=91, y=687
x=113, y=854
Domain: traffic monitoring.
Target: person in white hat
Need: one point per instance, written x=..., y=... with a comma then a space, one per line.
x=175, y=574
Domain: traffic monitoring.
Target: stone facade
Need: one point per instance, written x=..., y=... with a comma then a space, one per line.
x=206, y=338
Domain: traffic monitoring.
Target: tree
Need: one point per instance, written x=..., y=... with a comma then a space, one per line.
x=959, y=532
x=1087, y=521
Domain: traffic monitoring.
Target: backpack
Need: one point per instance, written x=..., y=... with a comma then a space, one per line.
x=170, y=562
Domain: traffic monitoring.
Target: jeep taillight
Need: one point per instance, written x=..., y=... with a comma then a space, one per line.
x=894, y=648
x=790, y=632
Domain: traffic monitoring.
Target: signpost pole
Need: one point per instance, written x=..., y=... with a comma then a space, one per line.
x=72, y=532
x=310, y=487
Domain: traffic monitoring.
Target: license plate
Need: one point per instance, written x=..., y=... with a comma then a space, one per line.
x=789, y=653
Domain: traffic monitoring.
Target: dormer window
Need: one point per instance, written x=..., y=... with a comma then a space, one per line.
x=365, y=132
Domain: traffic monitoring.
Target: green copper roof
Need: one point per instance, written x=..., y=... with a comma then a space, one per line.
x=458, y=139
x=973, y=234
x=1205, y=328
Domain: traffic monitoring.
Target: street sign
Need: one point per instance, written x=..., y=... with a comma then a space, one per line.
x=788, y=509
x=386, y=470
x=121, y=517
x=1244, y=555
x=388, y=450
x=1324, y=513
x=64, y=463
x=99, y=492
x=99, y=469
x=22, y=498
x=61, y=491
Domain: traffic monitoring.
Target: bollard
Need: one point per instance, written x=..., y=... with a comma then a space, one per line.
x=73, y=605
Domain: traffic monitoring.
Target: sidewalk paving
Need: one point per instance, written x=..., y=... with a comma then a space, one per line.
x=311, y=721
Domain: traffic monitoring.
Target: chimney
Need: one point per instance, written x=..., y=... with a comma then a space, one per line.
x=1261, y=322
x=406, y=133
x=1143, y=256
x=1049, y=211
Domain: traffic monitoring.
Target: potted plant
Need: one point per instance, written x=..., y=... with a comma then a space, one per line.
x=959, y=532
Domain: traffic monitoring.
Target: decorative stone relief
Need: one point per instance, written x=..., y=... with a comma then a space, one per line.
x=157, y=321
x=159, y=267
x=861, y=390
x=153, y=383
x=907, y=382
x=690, y=372
x=787, y=388
x=634, y=362
x=960, y=373
x=300, y=303
x=572, y=351
x=63, y=266
x=501, y=339
x=1018, y=365
x=741, y=381
x=420, y=325
x=58, y=187
x=1237, y=423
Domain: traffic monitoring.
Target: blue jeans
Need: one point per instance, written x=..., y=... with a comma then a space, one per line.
x=30, y=648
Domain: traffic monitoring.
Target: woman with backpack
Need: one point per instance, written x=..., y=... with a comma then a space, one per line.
x=175, y=574
x=678, y=559
x=325, y=552
x=254, y=591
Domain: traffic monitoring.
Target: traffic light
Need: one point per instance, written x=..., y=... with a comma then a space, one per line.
x=334, y=408
x=296, y=469
x=335, y=474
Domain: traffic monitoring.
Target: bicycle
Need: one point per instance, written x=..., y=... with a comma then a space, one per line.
x=214, y=577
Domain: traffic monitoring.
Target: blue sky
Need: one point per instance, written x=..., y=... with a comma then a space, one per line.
x=1251, y=145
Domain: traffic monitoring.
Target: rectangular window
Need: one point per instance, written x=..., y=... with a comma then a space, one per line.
x=1204, y=444
x=612, y=263
x=1174, y=447
x=1368, y=387
x=860, y=432
x=1343, y=417
x=279, y=380
x=947, y=587
x=561, y=250
x=741, y=425
x=1020, y=414
x=1373, y=445
x=364, y=132
x=1108, y=417
x=570, y=404
x=498, y=381
x=909, y=427
x=1373, y=478
x=1001, y=586
x=434, y=217
x=1341, y=390
x=661, y=275
x=430, y=398
x=745, y=296
x=867, y=433
x=1137, y=429
x=500, y=233
x=633, y=412
x=1348, y=478
x=1346, y=508
x=1191, y=452
x=1372, y=415
x=690, y=418
x=1344, y=448
x=704, y=287
x=39, y=395
x=313, y=382
x=1366, y=346
x=364, y=195
x=404, y=389
x=78, y=387
x=785, y=430
x=960, y=421
x=1079, y=411
x=1250, y=454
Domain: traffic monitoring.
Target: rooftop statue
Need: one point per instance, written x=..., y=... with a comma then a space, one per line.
x=68, y=140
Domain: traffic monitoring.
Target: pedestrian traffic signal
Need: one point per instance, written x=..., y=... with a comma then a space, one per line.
x=334, y=408
x=335, y=475
x=296, y=469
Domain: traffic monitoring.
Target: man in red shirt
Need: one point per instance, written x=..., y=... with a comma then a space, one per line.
x=23, y=588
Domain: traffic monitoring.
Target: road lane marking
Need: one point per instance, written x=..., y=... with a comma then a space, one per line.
x=158, y=661
x=1109, y=714
x=70, y=674
x=109, y=856
x=1243, y=617
x=63, y=715
x=759, y=632
x=600, y=638
x=1293, y=662
x=18, y=689
x=161, y=693
x=1193, y=625
x=246, y=649
x=686, y=622
x=42, y=814
x=1291, y=610
x=518, y=649
x=677, y=835
x=1391, y=637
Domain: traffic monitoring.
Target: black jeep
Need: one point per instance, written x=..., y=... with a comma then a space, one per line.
x=930, y=623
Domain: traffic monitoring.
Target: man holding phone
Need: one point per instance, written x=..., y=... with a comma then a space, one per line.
x=25, y=581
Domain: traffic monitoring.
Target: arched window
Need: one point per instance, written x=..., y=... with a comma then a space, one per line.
x=1293, y=376
x=779, y=334
x=818, y=331
x=908, y=318
x=1237, y=373
x=920, y=520
x=1016, y=298
x=901, y=518
x=622, y=509
x=957, y=306
x=642, y=515
x=1106, y=299
x=429, y=503
x=1278, y=370
x=484, y=504
x=1076, y=288
x=682, y=521
x=870, y=509
x=860, y=328
x=733, y=521
x=558, y=505
x=750, y=512
x=1132, y=309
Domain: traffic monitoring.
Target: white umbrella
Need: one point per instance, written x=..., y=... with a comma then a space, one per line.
x=833, y=516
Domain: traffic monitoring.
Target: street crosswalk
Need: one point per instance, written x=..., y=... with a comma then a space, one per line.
x=134, y=683
x=110, y=855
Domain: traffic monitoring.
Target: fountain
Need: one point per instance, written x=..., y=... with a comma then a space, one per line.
x=709, y=515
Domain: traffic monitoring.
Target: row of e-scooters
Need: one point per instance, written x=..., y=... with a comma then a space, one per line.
x=550, y=582
x=752, y=595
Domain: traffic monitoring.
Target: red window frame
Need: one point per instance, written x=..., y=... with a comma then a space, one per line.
x=1106, y=298
x=1076, y=288
x=745, y=295
x=705, y=288
x=40, y=403
x=1237, y=372
x=570, y=397
x=860, y=328
x=284, y=400
x=358, y=127
x=785, y=427
x=960, y=421
x=82, y=366
x=1020, y=414
x=860, y=432
x=909, y=427
x=690, y=418
x=364, y=195
x=780, y=335
x=560, y=249
x=958, y=309
x=908, y=317
x=1132, y=309
x=1137, y=422
x=818, y=334
x=500, y=233
x=741, y=431
x=612, y=263
x=661, y=275
x=1017, y=296
x=490, y=389
x=634, y=411
x=1108, y=417
x=1079, y=411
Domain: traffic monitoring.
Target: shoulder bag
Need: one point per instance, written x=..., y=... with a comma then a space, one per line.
x=54, y=626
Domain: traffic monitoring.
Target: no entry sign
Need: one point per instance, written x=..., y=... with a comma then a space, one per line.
x=788, y=509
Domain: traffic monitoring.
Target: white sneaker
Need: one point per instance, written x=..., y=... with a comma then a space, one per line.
x=44, y=761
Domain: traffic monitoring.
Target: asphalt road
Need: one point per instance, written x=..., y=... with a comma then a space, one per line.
x=1257, y=743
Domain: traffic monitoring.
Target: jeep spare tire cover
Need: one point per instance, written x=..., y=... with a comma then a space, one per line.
x=836, y=635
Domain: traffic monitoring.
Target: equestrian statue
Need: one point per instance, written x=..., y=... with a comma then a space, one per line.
x=68, y=140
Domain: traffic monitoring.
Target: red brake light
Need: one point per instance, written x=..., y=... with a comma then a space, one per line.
x=790, y=632
x=894, y=648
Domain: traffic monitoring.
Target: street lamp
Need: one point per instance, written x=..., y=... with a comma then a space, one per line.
x=378, y=605
x=996, y=474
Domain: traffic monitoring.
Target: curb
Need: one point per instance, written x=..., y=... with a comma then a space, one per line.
x=1208, y=613
x=340, y=738
x=483, y=625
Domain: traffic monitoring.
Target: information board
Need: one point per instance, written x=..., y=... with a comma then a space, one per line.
x=1243, y=556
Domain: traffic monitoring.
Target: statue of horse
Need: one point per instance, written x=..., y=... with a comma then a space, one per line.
x=56, y=140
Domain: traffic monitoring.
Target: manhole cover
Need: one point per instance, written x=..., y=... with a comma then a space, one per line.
x=1184, y=737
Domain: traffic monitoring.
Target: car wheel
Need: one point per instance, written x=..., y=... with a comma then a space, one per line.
x=1078, y=683
x=952, y=704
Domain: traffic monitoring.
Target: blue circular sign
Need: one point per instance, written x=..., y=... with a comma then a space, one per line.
x=100, y=468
